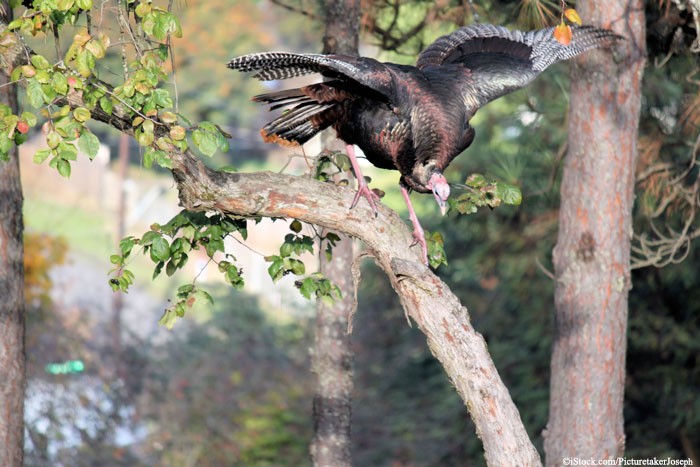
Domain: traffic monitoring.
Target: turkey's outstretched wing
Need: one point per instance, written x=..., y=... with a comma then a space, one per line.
x=498, y=61
x=281, y=65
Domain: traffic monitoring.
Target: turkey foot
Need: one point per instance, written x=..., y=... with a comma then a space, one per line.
x=418, y=234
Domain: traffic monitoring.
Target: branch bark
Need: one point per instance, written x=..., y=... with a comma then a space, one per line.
x=592, y=255
x=425, y=298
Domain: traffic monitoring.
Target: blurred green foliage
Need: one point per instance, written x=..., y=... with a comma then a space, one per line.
x=230, y=391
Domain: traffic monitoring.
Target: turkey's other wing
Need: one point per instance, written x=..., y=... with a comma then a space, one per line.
x=498, y=61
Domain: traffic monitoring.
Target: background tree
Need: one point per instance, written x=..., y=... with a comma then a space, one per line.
x=592, y=256
x=332, y=356
x=12, y=360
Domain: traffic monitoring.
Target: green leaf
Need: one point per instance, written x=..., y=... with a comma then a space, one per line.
x=148, y=22
x=308, y=287
x=510, y=194
x=34, y=93
x=64, y=5
x=476, y=181
x=170, y=268
x=106, y=104
x=41, y=155
x=85, y=61
x=67, y=151
x=164, y=23
x=160, y=250
x=148, y=126
x=16, y=74
x=84, y=4
x=144, y=138
x=149, y=157
x=168, y=117
x=10, y=122
x=96, y=48
x=126, y=245
x=59, y=82
x=169, y=318
x=29, y=117
x=205, y=141
x=142, y=9
x=163, y=160
x=203, y=294
x=88, y=143
x=40, y=63
x=286, y=249
x=276, y=269
x=5, y=146
x=42, y=76
x=184, y=290
x=14, y=24
x=162, y=98
x=81, y=114
x=148, y=238
x=436, y=249
x=63, y=167
x=52, y=139
x=295, y=226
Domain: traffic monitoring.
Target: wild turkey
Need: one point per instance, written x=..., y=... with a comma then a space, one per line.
x=411, y=119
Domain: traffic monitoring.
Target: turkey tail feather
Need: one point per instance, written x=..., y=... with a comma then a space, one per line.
x=304, y=118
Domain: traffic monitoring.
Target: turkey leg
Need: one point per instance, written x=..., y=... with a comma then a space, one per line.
x=418, y=234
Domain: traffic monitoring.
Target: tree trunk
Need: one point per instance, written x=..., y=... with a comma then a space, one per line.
x=12, y=355
x=333, y=365
x=332, y=355
x=592, y=255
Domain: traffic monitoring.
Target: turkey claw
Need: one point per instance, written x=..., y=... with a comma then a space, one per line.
x=371, y=196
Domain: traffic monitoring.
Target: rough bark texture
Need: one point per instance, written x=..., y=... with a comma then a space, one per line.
x=592, y=254
x=332, y=362
x=426, y=299
x=332, y=357
x=12, y=356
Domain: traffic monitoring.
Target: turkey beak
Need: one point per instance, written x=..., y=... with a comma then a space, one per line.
x=441, y=190
x=443, y=206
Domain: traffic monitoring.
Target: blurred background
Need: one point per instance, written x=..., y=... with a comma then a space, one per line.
x=230, y=384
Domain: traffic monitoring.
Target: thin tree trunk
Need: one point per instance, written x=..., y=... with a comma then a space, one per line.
x=12, y=354
x=333, y=365
x=120, y=232
x=592, y=254
x=332, y=357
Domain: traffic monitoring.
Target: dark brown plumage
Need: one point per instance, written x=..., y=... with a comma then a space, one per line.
x=411, y=119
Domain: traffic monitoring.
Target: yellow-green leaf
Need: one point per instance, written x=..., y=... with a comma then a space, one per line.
x=40, y=62
x=81, y=114
x=572, y=16
x=177, y=133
